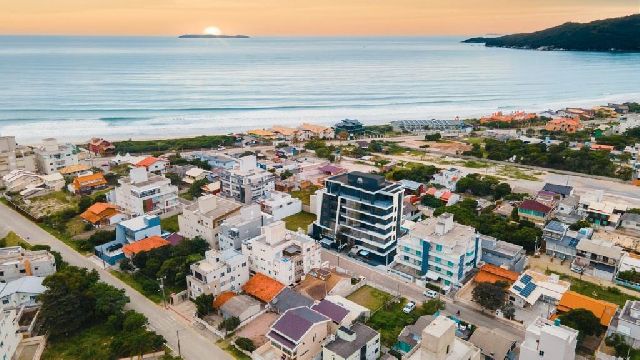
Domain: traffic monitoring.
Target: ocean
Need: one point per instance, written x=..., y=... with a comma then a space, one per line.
x=74, y=88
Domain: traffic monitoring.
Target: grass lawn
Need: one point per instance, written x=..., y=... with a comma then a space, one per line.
x=515, y=173
x=129, y=280
x=370, y=297
x=75, y=226
x=231, y=349
x=610, y=294
x=170, y=224
x=304, y=194
x=13, y=239
x=91, y=343
x=390, y=320
x=299, y=220
x=474, y=140
x=476, y=164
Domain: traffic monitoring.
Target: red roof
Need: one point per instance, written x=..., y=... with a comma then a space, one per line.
x=150, y=243
x=431, y=191
x=222, y=299
x=263, y=287
x=491, y=273
x=535, y=206
x=146, y=162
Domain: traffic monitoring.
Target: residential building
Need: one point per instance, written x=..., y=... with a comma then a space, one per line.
x=280, y=205
x=601, y=212
x=447, y=178
x=567, y=208
x=439, y=250
x=298, y=334
x=194, y=174
x=16, y=262
x=102, y=214
x=242, y=307
x=629, y=262
x=339, y=316
x=75, y=170
x=51, y=156
x=204, y=217
x=533, y=286
x=262, y=133
x=566, y=125
x=128, y=232
x=286, y=133
x=285, y=255
x=142, y=193
x=9, y=335
x=87, y=184
x=412, y=187
x=100, y=146
x=494, y=344
x=312, y=131
x=626, y=322
x=289, y=299
x=439, y=342
x=8, y=161
x=358, y=342
x=602, y=310
x=421, y=126
x=599, y=258
x=363, y=210
x=534, y=211
x=411, y=335
x=549, y=340
x=630, y=222
x=445, y=195
x=247, y=183
x=153, y=165
x=218, y=160
x=29, y=183
x=516, y=116
x=493, y=274
x=351, y=126
x=219, y=272
x=562, y=190
x=561, y=242
x=21, y=292
x=246, y=225
x=503, y=254
x=144, y=245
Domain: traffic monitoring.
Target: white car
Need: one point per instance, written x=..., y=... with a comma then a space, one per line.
x=408, y=307
x=432, y=294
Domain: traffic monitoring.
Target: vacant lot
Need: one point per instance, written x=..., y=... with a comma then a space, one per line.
x=300, y=220
x=370, y=297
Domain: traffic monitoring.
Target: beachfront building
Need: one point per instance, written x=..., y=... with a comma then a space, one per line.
x=280, y=205
x=143, y=193
x=284, y=255
x=439, y=250
x=549, y=340
x=246, y=225
x=313, y=131
x=360, y=209
x=566, y=125
x=286, y=133
x=357, y=342
x=499, y=117
x=51, y=156
x=13, y=157
x=439, y=342
x=247, y=183
x=16, y=262
x=219, y=272
x=421, y=126
x=100, y=146
x=350, y=126
x=203, y=218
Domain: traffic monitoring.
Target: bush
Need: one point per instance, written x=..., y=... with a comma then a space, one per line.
x=245, y=344
x=229, y=324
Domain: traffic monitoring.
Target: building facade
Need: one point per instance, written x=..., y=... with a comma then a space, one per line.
x=243, y=226
x=247, y=183
x=51, y=156
x=142, y=193
x=16, y=262
x=220, y=271
x=548, y=340
x=204, y=217
x=280, y=205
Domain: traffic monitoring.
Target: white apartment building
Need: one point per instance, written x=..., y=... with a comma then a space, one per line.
x=247, y=183
x=438, y=249
x=280, y=205
x=549, y=340
x=16, y=262
x=447, y=178
x=142, y=193
x=204, y=217
x=243, y=226
x=282, y=254
x=220, y=271
x=8, y=161
x=9, y=335
x=439, y=342
x=51, y=156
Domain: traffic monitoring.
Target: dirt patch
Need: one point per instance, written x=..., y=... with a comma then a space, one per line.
x=257, y=329
x=316, y=288
x=449, y=147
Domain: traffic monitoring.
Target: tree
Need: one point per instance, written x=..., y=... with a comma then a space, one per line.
x=509, y=311
x=125, y=265
x=286, y=174
x=108, y=300
x=195, y=190
x=433, y=137
x=489, y=296
x=175, y=178
x=582, y=320
x=229, y=324
x=204, y=304
x=84, y=203
x=245, y=344
x=579, y=225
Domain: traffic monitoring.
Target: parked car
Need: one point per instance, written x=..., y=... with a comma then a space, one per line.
x=409, y=307
x=432, y=294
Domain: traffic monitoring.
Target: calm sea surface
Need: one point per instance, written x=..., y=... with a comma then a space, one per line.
x=121, y=87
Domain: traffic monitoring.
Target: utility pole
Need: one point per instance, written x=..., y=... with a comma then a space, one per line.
x=178, y=336
x=164, y=302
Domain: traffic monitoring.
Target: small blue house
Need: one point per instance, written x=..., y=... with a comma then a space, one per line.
x=127, y=232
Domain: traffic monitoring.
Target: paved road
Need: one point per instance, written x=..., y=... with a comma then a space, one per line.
x=192, y=344
x=413, y=292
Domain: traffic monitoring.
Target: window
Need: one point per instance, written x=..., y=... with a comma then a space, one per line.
x=438, y=247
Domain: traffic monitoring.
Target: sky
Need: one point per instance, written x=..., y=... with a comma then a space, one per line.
x=300, y=17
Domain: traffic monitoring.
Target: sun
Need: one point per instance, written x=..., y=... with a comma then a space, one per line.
x=212, y=30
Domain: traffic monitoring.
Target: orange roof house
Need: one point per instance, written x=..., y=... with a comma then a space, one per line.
x=74, y=169
x=261, y=133
x=601, y=147
x=222, y=299
x=567, y=125
x=101, y=146
x=285, y=131
x=263, y=287
x=513, y=117
x=603, y=310
x=99, y=213
x=147, y=244
x=492, y=274
x=88, y=183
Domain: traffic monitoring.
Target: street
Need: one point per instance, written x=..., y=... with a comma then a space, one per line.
x=193, y=345
x=413, y=292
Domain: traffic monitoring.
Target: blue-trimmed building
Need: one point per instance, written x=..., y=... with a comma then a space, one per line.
x=363, y=210
x=439, y=250
x=128, y=232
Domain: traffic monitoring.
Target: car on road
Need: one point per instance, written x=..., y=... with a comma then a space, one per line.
x=409, y=307
x=432, y=294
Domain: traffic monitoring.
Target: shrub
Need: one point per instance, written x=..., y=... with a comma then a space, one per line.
x=245, y=344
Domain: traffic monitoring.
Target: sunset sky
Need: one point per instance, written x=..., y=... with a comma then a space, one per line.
x=300, y=17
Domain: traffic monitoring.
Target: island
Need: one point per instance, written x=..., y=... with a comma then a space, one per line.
x=615, y=34
x=210, y=36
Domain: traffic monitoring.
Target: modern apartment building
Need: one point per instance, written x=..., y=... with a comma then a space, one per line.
x=247, y=183
x=16, y=262
x=281, y=254
x=204, y=217
x=13, y=157
x=361, y=209
x=142, y=193
x=440, y=250
x=220, y=271
x=549, y=340
x=243, y=226
x=51, y=156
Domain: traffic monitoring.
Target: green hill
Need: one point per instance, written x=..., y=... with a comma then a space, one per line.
x=616, y=34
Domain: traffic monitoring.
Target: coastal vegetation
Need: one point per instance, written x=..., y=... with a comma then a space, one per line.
x=193, y=143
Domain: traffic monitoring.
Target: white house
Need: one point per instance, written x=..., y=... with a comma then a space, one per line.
x=281, y=254
x=548, y=340
x=447, y=178
x=51, y=156
x=532, y=286
x=9, y=335
x=280, y=205
x=154, y=165
x=204, y=216
x=20, y=292
x=241, y=227
x=220, y=271
x=16, y=262
x=142, y=193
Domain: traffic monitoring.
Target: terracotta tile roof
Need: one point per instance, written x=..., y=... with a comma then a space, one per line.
x=491, y=273
x=284, y=130
x=260, y=132
x=150, y=243
x=263, y=287
x=148, y=161
x=601, y=147
x=98, y=212
x=431, y=191
x=222, y=299
x=93, y=180
x=603, y=310
x=74, y=169
x=535, y=206
x=313, y=127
